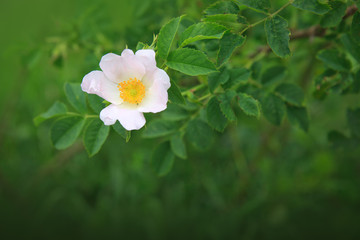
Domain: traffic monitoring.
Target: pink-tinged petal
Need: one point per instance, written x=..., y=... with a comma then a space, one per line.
x=147, y=57
x=130, y=118
x=121, y=68
x=156, y=97
x=96, y=82
x=127, y=52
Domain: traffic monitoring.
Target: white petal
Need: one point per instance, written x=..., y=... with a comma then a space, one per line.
x=121, y=68
x=130, y=119
x=147, y=57
x=96, y=82
x=156, y=97
x=127, y=52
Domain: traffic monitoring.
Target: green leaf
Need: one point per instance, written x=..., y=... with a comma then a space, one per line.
x=225, y=7
x=225, y=100
x=278, y=35
x=201, y=31
x=334, y=59
x=311, y=5
x=159, y=128
x=228, y=20
x=262, y=5
x=178, y=146
x=57, y=109
x=191, y=62
x=298, y=116
x=162, y=159
x=215, y=79
x=96, y=103
x=76, y=96
x=95, y=135
x=273, y=108
x=237, y=75
x=122, y=131
x=166, y=37
x=334, y=16
x=215, y=117
x=249, y=105
x=228, y=44
x=174, y=112
x=353, y=118
x=355, y=28
x=199, y=134
x=66, y=130
x=290, y=93
x=272, y=75
x=351, y=46
x=175, y=95
x=141, y=45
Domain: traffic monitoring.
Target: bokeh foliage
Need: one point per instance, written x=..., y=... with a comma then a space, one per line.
x=264, y=177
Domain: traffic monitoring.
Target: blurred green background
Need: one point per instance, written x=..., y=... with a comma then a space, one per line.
x=258, y=181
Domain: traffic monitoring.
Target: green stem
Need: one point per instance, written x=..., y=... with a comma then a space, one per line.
x=269, y=16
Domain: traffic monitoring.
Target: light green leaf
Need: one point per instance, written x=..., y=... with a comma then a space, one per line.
x=191, y=62
x=262, y=5
x=201, y=31
x=228, y=44
x=96, y=103
x=122, y=131
x=278, y=35
x=334, y=16
x=215, y=117
x=298, y=116
x=249, y=105
x=178, y=146
x=272, y=75
x=199, y=134
x=166, y=37
x=224, y=7
x=76, y=96
x=237, y=75
x=57, y=109
x=215, y=79
x=95, y=135
x=162, y=159
x=290, y=93
x=175, y=94
x=273, y=108
x=334, y=59
x=351, y=46
x=311, y=5
x=141, y=45
x=353, y=118
x=66, y=130
x=355, y=27
x=225, y=100
x=174, y=112
x=159, y=128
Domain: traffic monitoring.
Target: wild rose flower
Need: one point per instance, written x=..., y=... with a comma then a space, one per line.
x=132, y=84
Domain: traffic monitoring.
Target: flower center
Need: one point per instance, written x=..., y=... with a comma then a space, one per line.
x=132, y=91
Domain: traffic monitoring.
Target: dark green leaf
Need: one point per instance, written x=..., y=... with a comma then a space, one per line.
x=76, y=96
x=353, y=117
x=273, y=74
x=141, y=45
x=225, y=100
x=178, y=146
x=351, y=46
x=227, y=20
x=215, y=117
x=121, y=130
x=215, y=79
x=175, y=95
x=166, y=37
x=334, y=16
x=278, y=35
x=261, y=5
x=225, y=7
x=273, y=108
x=228, y=44
x=159, y=128
x=201, y=31
x=355, y=28
x=199, y=134
x=95, y=135
x=66, y=130
x=311, y=5
x=162, y=159
x=249, y=105
x=298, y=116
x=191, y=62
x=237, y=75
x=174, y=112
x=334, y=60
x=290, y=93
x=57, y=109
x=96, y=103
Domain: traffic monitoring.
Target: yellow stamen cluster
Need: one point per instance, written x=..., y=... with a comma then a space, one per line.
x=132, y=91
